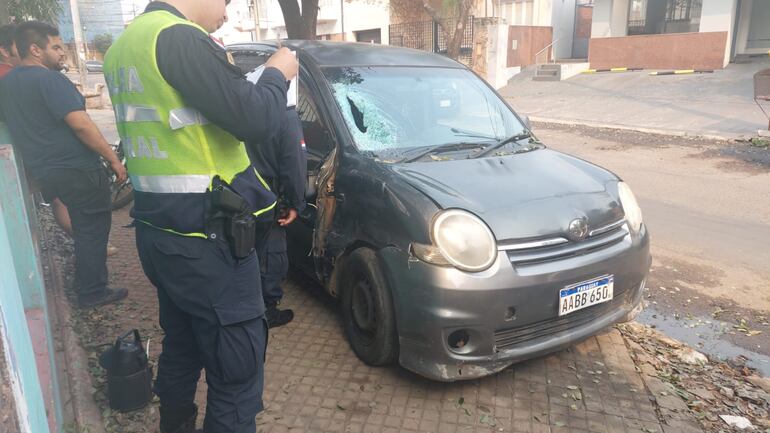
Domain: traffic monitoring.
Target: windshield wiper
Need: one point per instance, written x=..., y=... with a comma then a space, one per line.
x=448, y=147
x=471, y=134
x=501, y=143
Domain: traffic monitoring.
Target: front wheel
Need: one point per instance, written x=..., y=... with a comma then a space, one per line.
x=369, y=316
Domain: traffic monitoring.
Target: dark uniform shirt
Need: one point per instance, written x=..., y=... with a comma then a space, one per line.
x=34, y=102
x=283, y=163
x=198, y=68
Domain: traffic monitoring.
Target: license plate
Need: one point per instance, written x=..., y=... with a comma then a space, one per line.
x=581, y=295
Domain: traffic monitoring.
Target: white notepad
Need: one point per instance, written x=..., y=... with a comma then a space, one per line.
x=291, y=96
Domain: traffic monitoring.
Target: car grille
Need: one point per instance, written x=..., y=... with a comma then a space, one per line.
x=559, y=248
x=509, y=338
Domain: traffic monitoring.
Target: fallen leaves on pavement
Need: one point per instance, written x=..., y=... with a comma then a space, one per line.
x=712, y=391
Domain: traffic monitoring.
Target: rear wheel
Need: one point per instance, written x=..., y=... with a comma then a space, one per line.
x=367, y=304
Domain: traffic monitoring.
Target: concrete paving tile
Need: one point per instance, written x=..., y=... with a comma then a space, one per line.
x=315, y=383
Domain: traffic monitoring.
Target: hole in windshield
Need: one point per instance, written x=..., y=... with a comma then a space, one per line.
x=358, y=116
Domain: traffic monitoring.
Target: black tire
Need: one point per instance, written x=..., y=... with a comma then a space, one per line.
x=367, y=307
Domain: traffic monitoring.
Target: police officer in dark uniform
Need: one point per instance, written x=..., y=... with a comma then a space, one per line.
x=283, y=163
x=183, y=112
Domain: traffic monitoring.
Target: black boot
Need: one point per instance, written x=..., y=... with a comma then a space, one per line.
x=178, y=419
x=276, y=317
x=104, y=297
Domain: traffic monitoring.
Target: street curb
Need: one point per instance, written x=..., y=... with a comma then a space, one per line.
x=87, y=416
x=590, y=124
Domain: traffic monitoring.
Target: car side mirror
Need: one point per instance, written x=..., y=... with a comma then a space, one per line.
x=527, y=122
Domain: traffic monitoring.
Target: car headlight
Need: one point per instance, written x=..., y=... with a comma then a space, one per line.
x=460, y=239
x=630, y=207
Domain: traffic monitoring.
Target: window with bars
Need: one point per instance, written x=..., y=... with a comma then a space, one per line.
x=647, y=17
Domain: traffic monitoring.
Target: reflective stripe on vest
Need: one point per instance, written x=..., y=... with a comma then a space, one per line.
x=135, y=113
x=174, y=232
x=182, y=183
x=182, y=117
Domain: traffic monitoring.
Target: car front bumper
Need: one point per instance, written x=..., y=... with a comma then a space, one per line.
x=509, y=312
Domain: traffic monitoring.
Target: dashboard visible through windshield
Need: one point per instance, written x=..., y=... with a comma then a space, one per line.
x=392, y=111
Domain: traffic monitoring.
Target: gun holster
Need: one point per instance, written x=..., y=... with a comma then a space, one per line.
x=231, y=213
x=242, y=234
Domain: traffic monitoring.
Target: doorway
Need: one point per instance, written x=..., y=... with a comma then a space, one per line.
x=584, y=11
x=753, y=30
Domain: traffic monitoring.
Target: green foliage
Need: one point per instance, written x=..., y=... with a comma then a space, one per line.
x=42, y=10
x=103, y=42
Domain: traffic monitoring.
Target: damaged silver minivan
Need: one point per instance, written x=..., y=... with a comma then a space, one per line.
x=457, y=242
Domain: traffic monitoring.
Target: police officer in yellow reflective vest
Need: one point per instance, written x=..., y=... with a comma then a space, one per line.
x=183, y=112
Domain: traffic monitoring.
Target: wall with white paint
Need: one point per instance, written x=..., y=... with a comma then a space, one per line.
x=719, y=16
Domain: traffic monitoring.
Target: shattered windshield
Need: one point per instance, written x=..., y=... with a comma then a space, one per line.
x=392, y=110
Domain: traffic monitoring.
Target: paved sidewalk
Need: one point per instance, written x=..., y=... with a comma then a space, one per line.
x=314, y=382
x=719, y=104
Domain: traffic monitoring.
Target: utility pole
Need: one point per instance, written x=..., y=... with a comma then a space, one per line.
x=78, y=42
x=342, y=18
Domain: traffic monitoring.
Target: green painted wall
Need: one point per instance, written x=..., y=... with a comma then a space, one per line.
x=22, y=289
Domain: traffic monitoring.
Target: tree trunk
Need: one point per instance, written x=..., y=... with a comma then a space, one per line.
x=309, y=19
x=292, y=17
x=300, y=25
x=455, y=42
x=454, y=34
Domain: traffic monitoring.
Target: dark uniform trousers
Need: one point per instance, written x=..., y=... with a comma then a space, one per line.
x=274, y=264
x=212, y=312
x=86, y=193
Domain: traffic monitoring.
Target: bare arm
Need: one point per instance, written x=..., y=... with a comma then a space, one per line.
x=89, y=134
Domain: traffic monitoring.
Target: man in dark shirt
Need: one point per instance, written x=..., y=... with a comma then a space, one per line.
x=60, y=147
x=9, y=57
x=283, y=164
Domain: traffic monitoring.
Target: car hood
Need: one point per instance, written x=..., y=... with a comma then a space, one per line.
x=523, y=196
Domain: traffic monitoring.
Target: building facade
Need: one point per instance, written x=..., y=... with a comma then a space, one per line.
x=99, y=17
x=349, y=20
x=342, y=20
x=557, y=15
x=677, y=34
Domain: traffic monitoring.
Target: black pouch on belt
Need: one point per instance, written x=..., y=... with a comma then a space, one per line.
x=239, y=223
x=241, y=234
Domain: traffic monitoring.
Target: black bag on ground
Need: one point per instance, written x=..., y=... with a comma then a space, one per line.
x=129, y=375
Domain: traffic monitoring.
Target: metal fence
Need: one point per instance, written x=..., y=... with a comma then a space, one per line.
x=428, y=36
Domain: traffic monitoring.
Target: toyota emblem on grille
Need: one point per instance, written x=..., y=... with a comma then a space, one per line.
x=578, y=229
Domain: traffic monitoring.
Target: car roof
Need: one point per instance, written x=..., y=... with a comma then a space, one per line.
x=329, y=53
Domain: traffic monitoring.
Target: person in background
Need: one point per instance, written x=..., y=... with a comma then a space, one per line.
x=9, y=57
x=60, y=146
x=283, y=164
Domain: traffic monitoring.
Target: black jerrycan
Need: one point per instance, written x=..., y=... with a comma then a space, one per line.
x=129, y=375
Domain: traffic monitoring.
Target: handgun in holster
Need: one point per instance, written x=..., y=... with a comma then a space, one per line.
x=240, y=225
